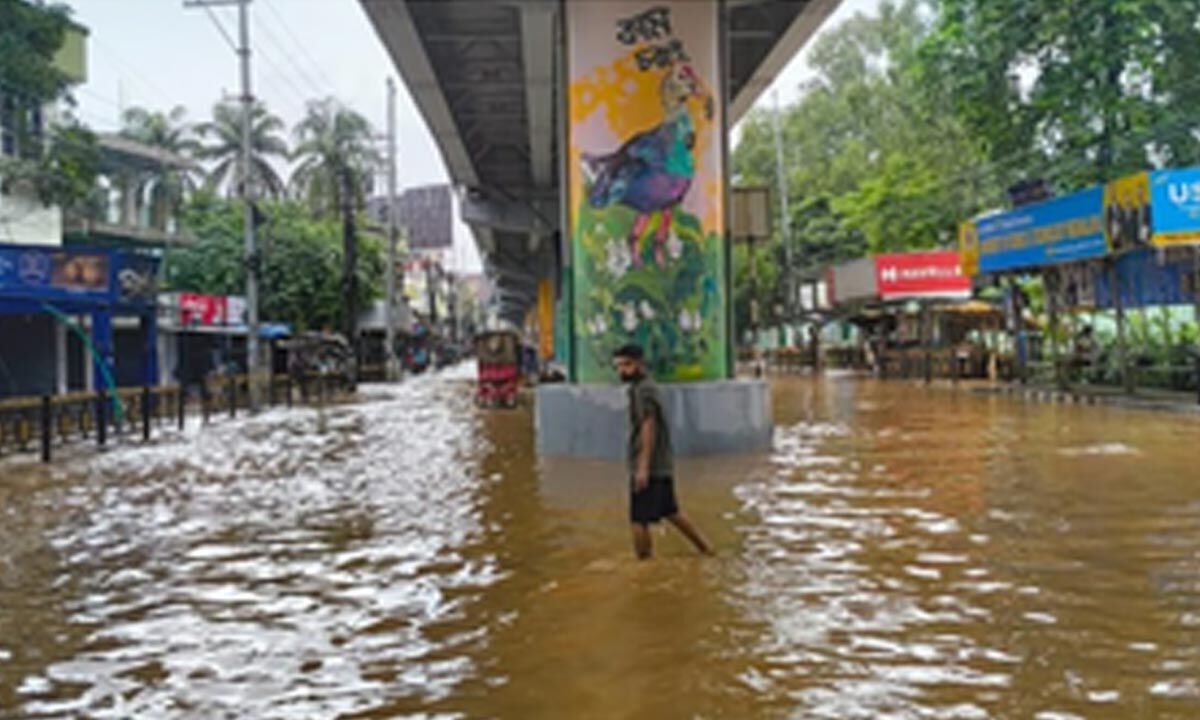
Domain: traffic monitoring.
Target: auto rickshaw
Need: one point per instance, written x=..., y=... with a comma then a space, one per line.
x=499, y=360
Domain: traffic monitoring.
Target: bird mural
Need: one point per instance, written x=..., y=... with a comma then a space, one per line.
x=652, y=171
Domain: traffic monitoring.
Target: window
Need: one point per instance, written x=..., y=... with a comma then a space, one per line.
x=21, y=127
x=8, y=125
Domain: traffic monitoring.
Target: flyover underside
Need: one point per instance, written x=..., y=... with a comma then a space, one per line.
x=484, y=75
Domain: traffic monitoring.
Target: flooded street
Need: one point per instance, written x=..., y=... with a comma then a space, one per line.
x=902, y=553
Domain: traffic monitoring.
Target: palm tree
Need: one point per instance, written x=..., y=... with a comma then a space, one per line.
x=337, y=163
x=169, y=184
x=224, y=133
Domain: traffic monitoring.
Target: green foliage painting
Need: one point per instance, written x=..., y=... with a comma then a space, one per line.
x=676, y=312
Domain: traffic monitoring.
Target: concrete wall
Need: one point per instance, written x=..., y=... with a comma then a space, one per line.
x=25, y=221
x=591, y=421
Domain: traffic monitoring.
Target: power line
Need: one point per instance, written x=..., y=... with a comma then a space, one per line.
x=300, y=93
x=216, y=21
x=133, y=70
x=325, y=81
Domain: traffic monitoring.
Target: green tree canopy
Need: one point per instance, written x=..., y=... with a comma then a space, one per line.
x=338, y=159
x=873, y=159
x=1076, y=92
x=58, y=162
x=302, y=261
x=224, y=147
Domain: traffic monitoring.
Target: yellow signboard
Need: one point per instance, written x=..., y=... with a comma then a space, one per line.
x=1127, y=212
x=968, y=248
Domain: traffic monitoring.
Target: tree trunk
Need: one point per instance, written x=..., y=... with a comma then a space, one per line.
x=349, y=265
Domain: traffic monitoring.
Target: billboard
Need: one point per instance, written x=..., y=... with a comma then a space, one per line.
x=1175, y=199
x=1127, y=212
x=932, y=274
x=1060, y=230
x=426, y=213
x=855, y=280
x=646, y=193
x=103, y=277
x=1146, y=282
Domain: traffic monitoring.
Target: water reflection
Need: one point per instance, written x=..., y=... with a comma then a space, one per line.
x=900, y=553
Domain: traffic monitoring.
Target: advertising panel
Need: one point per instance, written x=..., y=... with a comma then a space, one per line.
x=196, y=309
x=54, y=273
x=646, y=193
x=1145, y=282
x=1060, y=230
x=1175, y=199
x=427, y=216
x=855, y=280
x=1127, y=212
x=968, y=248
x=933, y=274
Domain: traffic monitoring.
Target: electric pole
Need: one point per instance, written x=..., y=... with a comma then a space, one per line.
x=785, y=233
x=250, y=258
x=393, y=367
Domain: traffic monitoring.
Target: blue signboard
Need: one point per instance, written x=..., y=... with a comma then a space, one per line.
x=1175, y=200
x=91, y=276
x=1144, y=282
x=1059, y=230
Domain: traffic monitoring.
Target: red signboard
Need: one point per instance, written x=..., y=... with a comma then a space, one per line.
x=934, y=274
x=197, y=309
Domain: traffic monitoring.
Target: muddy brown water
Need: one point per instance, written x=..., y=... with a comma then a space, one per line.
x=901, y=553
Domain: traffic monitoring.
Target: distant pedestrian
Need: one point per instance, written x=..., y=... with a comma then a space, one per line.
x=651, y=462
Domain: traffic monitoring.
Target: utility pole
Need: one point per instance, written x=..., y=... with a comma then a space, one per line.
x=785, y=232
x=250, y=258
x=393, y=367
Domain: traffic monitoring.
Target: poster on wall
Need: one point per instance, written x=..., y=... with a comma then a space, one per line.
x=646, y=193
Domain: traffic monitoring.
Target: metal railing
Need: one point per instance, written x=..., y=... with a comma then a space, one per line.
x=49, y=422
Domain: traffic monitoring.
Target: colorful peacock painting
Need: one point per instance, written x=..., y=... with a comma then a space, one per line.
x=647, y=212
x=652, y=171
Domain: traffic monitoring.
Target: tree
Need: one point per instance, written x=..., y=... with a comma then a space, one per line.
x=166, y=131
x=338, y=160
x=1077, y=92
x=874, y=162
x=58, y=163
x=302, y=260
x=224, y=149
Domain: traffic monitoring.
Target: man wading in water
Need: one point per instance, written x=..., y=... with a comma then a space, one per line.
x=651, y=460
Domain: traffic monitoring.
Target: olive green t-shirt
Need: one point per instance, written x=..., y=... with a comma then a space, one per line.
x=645, y=400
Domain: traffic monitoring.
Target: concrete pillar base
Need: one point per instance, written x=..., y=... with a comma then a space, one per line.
x=591, y=421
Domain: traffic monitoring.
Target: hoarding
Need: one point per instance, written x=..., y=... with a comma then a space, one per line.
x=1127, y=212
x=1146, y=282
x=1064, y=229
x=855, y=280
x=645, y=181
x=427, y=216
x=1175, y=200
x=102, y=277
x=932, y=274
x=196, y=309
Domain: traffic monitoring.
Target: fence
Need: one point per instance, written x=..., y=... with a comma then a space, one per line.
x=30, y=424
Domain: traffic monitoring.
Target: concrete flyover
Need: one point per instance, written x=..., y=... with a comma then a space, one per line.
x=485, y=75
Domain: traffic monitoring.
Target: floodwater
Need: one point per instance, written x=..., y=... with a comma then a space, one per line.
x=902, y=553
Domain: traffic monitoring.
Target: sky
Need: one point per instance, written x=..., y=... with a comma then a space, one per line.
x=159, y=54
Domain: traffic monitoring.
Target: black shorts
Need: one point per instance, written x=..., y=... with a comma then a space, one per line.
x=654, y=503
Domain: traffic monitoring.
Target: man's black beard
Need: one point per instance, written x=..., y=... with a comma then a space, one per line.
x=633, y=377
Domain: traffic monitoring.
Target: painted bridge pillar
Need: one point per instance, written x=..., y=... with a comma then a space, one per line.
x=646, y=248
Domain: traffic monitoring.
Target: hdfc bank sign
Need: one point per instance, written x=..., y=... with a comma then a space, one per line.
x=936, y=274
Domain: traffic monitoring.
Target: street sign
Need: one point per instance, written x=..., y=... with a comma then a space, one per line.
x=751, y=213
